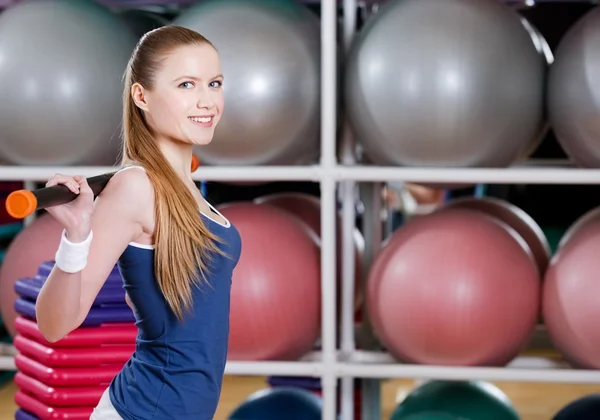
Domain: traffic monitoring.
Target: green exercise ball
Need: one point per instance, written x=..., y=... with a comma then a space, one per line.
x=430, y=416
x=450, y=400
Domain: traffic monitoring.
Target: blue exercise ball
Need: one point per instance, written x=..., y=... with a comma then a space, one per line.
x=585, y=408
x=278, y=404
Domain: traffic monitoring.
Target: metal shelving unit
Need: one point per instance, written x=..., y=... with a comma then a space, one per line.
x=339, y=181
x=373, y=366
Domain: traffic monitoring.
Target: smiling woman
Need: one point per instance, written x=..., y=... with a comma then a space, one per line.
x=185, y=95
x=175, y=251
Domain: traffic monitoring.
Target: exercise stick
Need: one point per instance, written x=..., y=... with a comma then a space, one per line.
x=23, y=203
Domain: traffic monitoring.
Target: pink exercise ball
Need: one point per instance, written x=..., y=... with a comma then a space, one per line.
x=516, y=218
x=308, y=209
x=454, y=288
x=570, y=295
x=35, y=244
x=580, y=224
x=276, y=289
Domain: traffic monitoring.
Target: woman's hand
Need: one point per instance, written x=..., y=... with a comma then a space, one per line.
x=75, y=216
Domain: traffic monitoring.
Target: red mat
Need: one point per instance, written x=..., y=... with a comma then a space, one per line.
x=74, y=357
x=58, y=396
x=65, y=377
x=124, y=333
x=46, y=412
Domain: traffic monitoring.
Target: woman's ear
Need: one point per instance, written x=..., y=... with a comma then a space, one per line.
x=139, y=97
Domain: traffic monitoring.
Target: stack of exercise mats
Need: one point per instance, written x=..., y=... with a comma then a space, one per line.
x=65, y=379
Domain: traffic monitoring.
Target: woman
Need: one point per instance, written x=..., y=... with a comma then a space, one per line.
x=176, y=253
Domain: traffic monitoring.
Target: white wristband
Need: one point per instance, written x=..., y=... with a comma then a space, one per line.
x=72, y=257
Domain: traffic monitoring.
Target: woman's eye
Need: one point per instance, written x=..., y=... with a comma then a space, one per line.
x=216, y=84
x=186, y=85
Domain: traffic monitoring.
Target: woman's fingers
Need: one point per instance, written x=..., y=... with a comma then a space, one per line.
x=67, y=181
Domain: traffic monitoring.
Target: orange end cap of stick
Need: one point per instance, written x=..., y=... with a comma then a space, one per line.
x=195, y=163
x=21, y=203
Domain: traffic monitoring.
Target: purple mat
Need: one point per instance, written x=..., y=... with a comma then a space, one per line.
x=98, y=315
x=110, y=293
x=21, y=414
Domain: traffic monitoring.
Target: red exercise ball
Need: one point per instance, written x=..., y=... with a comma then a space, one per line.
x=454, y=288
x=276, y=289
x=516, y=218
x=308, y=209
x=35, y=244
x=570, y=295
x=580, y=224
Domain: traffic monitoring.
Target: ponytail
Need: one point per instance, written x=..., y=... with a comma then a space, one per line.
x=183, y=244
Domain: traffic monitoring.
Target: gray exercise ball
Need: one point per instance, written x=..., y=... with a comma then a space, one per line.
x=574, y=91
x=270, y=53
x=452, y=83
x=61, y=65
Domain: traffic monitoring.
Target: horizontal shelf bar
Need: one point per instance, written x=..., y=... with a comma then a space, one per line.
x=523, y=369
x=530, y=174
x=511, y=175
x=309, y=365
x=259, y=173
x=364, y=364
x=204, y=173
x=388, y=371
x=306, y=369
x=383, y=358
x=43, y=173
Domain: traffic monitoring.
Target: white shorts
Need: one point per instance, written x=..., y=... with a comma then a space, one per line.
x=105, y=410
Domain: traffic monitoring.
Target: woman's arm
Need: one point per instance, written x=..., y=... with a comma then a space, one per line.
x=66, y=298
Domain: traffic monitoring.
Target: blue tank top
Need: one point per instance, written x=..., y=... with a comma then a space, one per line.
x=177, y=368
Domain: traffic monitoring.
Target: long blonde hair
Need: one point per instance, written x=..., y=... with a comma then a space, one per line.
x=183, y=244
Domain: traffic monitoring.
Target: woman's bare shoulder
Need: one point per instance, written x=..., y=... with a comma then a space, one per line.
x=129, y=190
